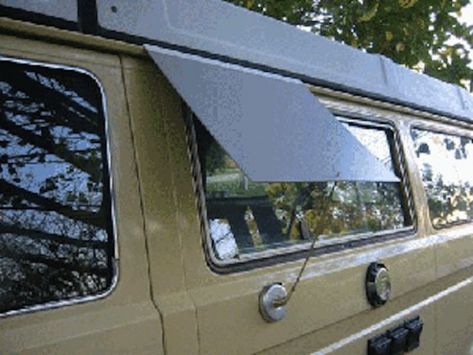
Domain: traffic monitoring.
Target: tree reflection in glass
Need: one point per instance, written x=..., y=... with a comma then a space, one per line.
x=261, y=216
x=445, y=161
x=55, y=224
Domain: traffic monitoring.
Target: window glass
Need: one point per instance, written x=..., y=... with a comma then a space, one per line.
x=246, y=217
x=55, y=221
x=446, y=163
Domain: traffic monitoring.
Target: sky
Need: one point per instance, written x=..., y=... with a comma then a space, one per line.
x=467, y=14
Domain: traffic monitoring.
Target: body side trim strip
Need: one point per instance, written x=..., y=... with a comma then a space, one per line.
x=394, y=318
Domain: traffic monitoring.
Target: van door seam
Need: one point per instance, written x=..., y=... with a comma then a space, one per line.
x=122, y=70
x=176, y=218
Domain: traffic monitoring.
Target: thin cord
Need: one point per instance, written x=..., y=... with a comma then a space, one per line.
x=301, y=271
x=286, y=300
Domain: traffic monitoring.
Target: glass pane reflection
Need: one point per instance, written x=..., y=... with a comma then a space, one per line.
x=55, y=235
x=247, y=217
x=445, y=162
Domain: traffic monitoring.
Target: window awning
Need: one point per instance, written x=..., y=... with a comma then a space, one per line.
x=272, y=126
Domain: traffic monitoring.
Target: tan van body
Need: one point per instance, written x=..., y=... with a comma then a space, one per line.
x=168, y=300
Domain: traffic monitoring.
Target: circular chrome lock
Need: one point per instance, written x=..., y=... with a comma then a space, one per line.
x=272, y=302
x=378, y=284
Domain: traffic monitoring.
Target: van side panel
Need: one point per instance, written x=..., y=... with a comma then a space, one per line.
x=331, y=290
x=126, y=321
x=153, y=103
x=169, y=298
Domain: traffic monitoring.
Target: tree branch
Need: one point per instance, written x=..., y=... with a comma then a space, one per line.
x=56, y=264
x=46, y=144
x=49, y=237
x=57, y=101
x=51, y=205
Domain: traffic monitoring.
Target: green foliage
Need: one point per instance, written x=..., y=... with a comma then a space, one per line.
x=418, y=34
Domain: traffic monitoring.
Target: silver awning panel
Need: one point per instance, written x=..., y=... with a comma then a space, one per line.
x=273, y=127
x=217, y=28
x=66, y=10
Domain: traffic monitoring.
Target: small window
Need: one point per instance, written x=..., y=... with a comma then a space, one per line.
x=56, y=241
x=446, y=162
x=245, y=218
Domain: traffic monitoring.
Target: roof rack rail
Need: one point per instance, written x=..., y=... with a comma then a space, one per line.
x=219, y=30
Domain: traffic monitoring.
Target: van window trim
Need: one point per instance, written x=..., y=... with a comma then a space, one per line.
x=295, y=252
x=107, y=170
x=441, y=129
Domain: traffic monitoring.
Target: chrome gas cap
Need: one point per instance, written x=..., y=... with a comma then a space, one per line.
x=378, y=284
x=272, y=302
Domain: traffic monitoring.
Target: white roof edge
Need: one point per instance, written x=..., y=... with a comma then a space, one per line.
x=222, y=29
x=218, y=28
x=66, y=10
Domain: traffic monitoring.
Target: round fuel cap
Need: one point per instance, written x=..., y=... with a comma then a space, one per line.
x=378, y=284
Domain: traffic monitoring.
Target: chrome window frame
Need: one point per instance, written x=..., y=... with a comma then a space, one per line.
x=107, y=169
x=297, y=251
